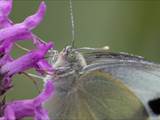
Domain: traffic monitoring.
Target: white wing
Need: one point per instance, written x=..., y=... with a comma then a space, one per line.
x=141, y=76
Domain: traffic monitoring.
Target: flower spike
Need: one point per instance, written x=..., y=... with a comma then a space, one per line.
x=10, y=33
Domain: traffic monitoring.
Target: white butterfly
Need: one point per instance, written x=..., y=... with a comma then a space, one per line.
x=97, y=84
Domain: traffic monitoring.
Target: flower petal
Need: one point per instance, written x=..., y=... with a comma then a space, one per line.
x=46, y=93
x=5, y=7
x=25, y=62
x=28, y=24
x=32, y=21
x=12, y=32
x=30, y=108
x=44, y=67
x=41, y=114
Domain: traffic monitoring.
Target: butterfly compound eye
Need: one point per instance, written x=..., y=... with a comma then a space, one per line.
x=155, y=106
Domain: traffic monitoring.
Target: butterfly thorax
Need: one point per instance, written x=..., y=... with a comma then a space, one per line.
x=68, y=66
x=68, y=61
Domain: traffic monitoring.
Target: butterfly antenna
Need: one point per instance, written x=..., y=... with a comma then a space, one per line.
x=72, y=22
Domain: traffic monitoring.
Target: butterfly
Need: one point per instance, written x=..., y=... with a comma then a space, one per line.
x=96, y=84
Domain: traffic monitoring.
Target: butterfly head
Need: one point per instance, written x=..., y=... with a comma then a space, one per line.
x=69, y=59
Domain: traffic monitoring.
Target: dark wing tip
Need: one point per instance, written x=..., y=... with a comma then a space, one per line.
x=155, y=106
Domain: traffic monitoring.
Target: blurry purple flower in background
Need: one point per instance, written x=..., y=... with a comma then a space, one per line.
x=9, y=34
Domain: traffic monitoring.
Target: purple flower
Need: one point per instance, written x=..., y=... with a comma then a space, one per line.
x=5, y=9
x=32, y=21
x=9, y=34
x=29, y=108
x=29, y=60
x=44, y=67
x=22, y=30
x=12, y=33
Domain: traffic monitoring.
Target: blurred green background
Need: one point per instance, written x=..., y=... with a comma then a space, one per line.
x=124, y=25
